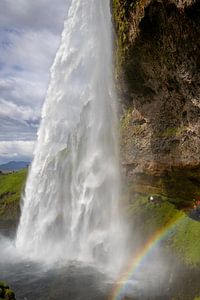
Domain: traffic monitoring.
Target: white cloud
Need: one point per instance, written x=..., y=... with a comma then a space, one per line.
x=17, y=112
x=24, y=89
x=37, y=14
x=28, y=50
x=16, y=150
x=21, y=100
x=29, y=36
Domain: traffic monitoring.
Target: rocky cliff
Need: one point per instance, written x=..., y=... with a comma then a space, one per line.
x=158, y=79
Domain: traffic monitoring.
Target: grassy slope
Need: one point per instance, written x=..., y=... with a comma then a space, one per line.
x=184, y=238
x=11, y=186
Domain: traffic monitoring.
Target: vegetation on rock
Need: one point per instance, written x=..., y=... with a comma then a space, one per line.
x=5, y=292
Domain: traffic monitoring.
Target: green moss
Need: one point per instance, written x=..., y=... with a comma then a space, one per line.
x=11, y=186
x=186, y=241
x=172, y=131
x=154, y=216
x=121, y=15
x=183, y=236
x=9, y=294
x=125, y=122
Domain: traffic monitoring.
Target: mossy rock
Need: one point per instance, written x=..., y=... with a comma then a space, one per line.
x=9, y=294
x=3, y=285
x=5, y=292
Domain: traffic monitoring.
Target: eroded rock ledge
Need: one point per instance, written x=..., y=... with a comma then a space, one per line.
x=158, y=79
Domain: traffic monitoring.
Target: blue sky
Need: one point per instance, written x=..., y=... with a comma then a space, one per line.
x=30, y=33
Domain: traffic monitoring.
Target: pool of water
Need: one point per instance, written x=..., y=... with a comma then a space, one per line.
x=32, y=281
x=72, y=282
x=159, y=277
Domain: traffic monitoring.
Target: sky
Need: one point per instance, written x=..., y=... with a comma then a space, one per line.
x=30, y=32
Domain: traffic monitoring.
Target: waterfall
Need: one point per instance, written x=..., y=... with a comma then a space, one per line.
x=70, y=204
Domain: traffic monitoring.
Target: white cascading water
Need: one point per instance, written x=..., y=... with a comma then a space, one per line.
x=70, y=206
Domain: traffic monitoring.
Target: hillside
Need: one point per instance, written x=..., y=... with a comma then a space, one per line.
x=14, y=166
x=11, y=186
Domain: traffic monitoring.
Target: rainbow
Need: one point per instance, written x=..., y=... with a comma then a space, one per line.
x=139, y=257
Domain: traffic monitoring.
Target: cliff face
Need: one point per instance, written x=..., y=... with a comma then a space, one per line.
x=158, y=79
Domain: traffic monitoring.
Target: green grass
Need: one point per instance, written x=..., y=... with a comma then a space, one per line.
x=11, y=187
x=184, y=237
x=186, y=241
